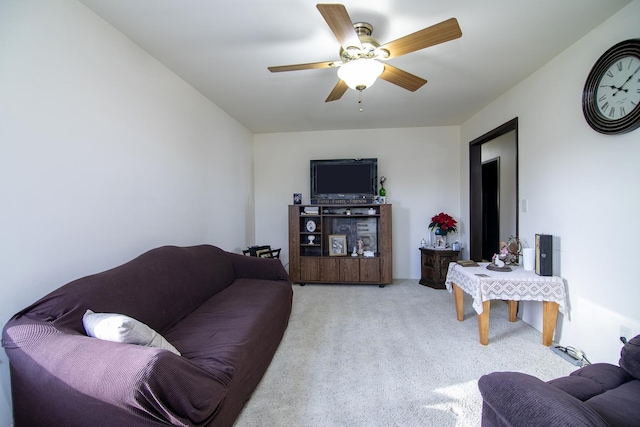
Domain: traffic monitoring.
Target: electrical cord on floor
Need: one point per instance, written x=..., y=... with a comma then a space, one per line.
x=574, y=354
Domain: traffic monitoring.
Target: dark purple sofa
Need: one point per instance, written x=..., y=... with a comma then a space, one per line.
x=225, y=313
x=595, y=395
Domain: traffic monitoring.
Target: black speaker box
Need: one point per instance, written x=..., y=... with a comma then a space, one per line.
x=544, y=262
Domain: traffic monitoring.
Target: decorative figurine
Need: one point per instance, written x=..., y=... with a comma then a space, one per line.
x=497, y=261
x=503, y=251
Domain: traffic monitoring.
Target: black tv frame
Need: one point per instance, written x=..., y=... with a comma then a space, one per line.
x=343, y=166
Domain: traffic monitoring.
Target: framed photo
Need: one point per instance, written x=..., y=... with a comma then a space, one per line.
x=263, y=253
x=297, y=198
x=337, y=244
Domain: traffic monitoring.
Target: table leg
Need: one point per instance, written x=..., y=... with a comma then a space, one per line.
x=483, y=322
x=458, y=295
x=513, y=310
x=549, y=317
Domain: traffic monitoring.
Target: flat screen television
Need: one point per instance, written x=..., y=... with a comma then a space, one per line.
x=344, y=178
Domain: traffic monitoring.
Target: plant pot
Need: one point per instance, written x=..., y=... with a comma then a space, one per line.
x=440, y=239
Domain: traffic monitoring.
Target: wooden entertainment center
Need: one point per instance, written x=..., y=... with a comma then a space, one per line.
x=322, y=239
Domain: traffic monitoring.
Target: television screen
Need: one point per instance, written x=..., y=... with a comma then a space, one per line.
x=344, y=178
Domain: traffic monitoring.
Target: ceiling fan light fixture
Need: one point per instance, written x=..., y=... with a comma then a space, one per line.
x=360, y=74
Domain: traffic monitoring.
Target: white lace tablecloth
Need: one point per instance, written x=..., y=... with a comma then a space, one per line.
x=517, y=285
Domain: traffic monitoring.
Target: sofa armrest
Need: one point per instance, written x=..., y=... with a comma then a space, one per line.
x=517, y=399
x=246, y=267
x=93, y=379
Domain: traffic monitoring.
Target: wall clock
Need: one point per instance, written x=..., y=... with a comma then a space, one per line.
x=611, y=95
x=311, y=226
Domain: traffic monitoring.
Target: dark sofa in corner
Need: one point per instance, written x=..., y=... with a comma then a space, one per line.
x=225, y=313
x=595, y=395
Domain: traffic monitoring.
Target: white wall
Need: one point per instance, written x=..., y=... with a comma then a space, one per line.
x=104, y=154
x=581, y=187
x=421, y=166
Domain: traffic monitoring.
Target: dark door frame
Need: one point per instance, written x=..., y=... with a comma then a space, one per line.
x=475, y=186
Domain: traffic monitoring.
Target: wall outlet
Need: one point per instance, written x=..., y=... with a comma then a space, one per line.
x=625, y=332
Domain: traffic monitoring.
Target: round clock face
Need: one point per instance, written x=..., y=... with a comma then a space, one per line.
x=311, y=226
x=611, y=96
x=618, y=91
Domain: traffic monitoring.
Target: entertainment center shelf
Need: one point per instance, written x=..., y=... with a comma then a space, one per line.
x=322, y=239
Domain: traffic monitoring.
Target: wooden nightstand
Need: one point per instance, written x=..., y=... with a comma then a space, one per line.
x=434, y=265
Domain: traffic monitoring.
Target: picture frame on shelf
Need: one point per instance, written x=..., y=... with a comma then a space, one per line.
x=337, y=245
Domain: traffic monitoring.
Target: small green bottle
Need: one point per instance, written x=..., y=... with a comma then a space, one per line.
x=382, y=191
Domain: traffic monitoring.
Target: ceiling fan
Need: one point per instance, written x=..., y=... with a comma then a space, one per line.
x=360, y=54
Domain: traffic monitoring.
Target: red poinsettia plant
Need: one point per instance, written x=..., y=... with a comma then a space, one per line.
x=444, y=222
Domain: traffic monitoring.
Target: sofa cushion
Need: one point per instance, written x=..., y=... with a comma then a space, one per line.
x=578, y=387
x=234, y=335
x=619, y=407
x=120, y=328
x=630, y=357
x=518, y=399
x=230, y=328
x=592, y=380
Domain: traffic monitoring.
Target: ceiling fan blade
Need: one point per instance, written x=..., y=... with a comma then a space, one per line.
x=430, y=36
x=296, y=67
x=338, y=20
x=337, y=92
x=402, y=78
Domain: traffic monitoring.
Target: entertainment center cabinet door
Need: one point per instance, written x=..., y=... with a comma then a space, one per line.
x=369, y=270
x=349, y=270
x=309, y=269
x=329, y=270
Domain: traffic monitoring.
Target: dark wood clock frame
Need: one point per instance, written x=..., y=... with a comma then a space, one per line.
x=592, y=115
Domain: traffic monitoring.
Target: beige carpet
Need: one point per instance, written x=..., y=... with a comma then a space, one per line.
x=358, y=355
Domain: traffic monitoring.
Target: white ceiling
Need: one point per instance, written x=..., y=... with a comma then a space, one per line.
x=223, y=50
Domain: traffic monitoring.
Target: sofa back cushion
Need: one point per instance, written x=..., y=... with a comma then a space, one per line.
x=158, y=288
x=592, y=380
x=619, y=406
x=630, y=357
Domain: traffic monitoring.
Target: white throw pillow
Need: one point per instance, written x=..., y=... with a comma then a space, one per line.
x=121, y=328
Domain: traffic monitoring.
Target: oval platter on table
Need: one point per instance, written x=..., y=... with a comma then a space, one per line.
x=494, y=268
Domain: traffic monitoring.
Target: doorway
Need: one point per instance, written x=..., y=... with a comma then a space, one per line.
x=508, y=223
x=491, y=207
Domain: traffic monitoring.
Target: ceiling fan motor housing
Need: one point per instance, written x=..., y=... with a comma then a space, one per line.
x=370, y=45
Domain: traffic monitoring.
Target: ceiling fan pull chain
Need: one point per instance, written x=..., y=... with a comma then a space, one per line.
x=360, y=100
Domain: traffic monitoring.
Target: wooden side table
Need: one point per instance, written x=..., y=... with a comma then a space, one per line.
x=434, y=266
x=516, y=285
